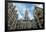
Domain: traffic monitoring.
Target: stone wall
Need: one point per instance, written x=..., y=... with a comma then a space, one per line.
x=12, y=13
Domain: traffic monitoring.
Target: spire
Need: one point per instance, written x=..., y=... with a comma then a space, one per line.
x=26, y=14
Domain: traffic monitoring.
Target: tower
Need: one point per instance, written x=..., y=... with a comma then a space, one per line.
x=26, y=15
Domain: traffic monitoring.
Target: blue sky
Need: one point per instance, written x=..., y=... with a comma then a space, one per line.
x=22, y=8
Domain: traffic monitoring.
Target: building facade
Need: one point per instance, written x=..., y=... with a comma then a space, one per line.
x=12, y=14
x=39, y=16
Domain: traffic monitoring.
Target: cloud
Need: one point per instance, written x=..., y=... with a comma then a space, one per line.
x=39, y=5
x=31, y=16
x=22, y=8
x=19, y=17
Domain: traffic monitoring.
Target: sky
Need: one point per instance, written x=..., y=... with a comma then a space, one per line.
x=21, y=7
